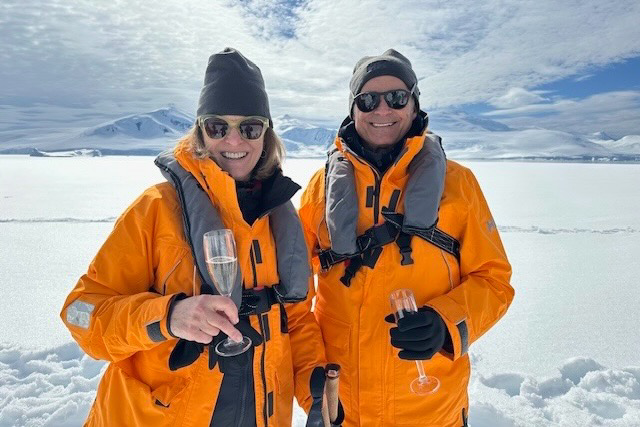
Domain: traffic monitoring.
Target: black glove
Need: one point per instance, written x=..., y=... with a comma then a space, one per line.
x=419, y=335
x=316, y=387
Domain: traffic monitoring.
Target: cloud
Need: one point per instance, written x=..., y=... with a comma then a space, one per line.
x=616, y=113
x=517, y=97
x=145, y=54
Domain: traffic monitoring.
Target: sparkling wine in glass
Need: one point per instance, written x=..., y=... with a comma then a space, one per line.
x=222, y=263
x=403, y=301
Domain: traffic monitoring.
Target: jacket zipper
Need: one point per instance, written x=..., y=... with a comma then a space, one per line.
x=376, y=196
x=253, y=267
x=166, y=278
x=265, y=408
x=264, y=343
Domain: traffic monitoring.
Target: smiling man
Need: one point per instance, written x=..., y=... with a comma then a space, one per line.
x=389, y=212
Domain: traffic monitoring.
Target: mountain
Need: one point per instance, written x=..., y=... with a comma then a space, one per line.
x=136, y=134
x=600, y=136
x=455, y=120
x=163, y=123
x=629, y=144
x=303, y=139
x=464, y=137
x=527, y=144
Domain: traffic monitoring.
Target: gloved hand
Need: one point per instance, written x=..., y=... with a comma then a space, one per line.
x=317, y=389
x=419, y=335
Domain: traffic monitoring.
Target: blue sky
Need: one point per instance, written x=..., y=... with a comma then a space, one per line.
x=572, y=66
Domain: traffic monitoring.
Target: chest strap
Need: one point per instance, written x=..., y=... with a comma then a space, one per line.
x=371, y=242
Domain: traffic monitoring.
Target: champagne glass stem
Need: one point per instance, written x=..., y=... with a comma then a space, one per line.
x=422, y=377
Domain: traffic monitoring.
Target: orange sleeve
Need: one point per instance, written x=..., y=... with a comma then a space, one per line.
x=484, y=293
x=110, y=312
x=307, y=346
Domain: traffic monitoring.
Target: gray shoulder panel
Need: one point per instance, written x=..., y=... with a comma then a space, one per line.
x=291, y=251
x=426, y=183
x=199, y=216
x=341, y=206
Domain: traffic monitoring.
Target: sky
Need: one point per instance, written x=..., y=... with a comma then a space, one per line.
x=565, y=65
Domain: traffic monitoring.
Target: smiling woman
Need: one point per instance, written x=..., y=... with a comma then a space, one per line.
x=148, y=306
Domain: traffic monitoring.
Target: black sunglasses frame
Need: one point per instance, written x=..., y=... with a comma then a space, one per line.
x=377, y=96
x=237, y=124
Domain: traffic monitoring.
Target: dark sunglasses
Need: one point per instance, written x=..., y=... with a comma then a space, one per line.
x=250, y=128
x=369, y=101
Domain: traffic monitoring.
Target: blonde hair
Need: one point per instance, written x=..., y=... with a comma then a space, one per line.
x=272, y=152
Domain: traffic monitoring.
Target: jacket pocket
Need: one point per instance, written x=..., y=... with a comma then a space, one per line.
x=172, y=272
x=123, y=399
x=438, y=409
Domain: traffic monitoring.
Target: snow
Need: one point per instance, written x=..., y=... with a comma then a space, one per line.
x=565, y=354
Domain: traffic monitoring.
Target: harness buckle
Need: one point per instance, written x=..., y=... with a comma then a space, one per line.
x=376, y=236
x=257, y=300
x=329, y=258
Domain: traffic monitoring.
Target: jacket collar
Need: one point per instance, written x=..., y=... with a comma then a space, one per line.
x=221, y=187
x=348, y=140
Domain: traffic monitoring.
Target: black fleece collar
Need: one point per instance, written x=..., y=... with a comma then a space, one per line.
x=256, y=198
x=380, y=158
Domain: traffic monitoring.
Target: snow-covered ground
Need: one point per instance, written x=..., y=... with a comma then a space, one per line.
x=566, y=353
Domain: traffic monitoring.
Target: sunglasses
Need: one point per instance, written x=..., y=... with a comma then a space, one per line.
x=250, y=128
x=369, y=101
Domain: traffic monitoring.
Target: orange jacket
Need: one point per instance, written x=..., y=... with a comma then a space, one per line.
x=144, y=263
x=374, y=384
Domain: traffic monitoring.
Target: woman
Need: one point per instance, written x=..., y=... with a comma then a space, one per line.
x=146, y=304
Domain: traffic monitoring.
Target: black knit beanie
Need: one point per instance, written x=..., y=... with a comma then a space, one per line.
x=233, y=85
x=390, y=63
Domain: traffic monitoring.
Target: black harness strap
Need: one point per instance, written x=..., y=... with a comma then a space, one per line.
x=257, y=301
x=370, y=245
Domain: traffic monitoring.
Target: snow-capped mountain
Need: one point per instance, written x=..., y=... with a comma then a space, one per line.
x=532, y=144
x=454, y=120
x=162, y=123
x=600, y=136
x=629, y=144
x=464, y=136
x=303, y=139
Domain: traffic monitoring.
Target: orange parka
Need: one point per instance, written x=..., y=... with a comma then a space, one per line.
x=470, y=296
x=118, y=312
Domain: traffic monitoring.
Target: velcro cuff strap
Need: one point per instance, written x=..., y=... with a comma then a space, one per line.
x=157, y=329
x=456, y=320
x=155, y=332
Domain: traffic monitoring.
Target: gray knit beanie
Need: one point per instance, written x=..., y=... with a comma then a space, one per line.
x=233, y=85
x=390, y=63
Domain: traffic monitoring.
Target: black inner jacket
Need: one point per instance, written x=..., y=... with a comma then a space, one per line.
x=236, y=404
x=381, y=158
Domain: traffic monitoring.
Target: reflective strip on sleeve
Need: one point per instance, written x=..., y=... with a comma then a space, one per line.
x=464, y=337
x=79, y=314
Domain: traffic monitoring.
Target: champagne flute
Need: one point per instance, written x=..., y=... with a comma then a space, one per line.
x=222, y=263
x=402, y=302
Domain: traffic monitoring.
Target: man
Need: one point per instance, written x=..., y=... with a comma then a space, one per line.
x=390, y=212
